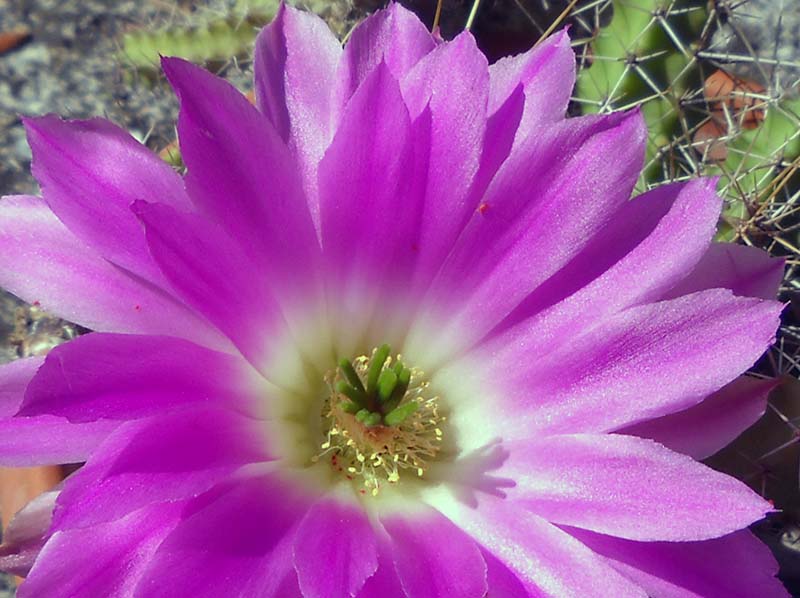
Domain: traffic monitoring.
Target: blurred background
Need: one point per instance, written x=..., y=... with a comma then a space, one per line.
x=717, y=82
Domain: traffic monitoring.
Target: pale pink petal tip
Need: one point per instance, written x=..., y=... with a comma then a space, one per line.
x=26, y=534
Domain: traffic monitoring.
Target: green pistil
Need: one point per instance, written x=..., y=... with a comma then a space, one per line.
x=373, y=419
x=398, y=368
x=352, y=377
x=398, y=416
x=350, y=392
x=350, y=407
x=368, y=418
x=375, y=368
x=403, y=380
x=386, y=385
x=380, y=402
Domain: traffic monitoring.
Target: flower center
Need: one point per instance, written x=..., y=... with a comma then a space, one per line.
x=379, y=420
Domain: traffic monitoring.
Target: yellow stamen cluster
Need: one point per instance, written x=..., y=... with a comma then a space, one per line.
x=377, y=454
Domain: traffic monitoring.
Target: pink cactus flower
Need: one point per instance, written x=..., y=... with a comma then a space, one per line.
x=398, y=331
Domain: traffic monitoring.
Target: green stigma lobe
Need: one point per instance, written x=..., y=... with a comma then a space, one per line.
x=350, y=392
x=403, y=380
x=387, y=382
x=351, y=375
x=373, y=419
x=399, y=415
x=375, y=367
x=350, y=407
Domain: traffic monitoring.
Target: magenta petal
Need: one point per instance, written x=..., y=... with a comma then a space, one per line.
x=102, y=560
x=14, y=378
x=295, y=66
x=619, y=485
x=394, y=36
x=501, y=580
x=501, y=128
x=295, y=60
x=121, y=377
x=48, y=440
x=43, y=440
x=238, y=534
x=433, y=557
x=747, y=271
x=645, y=362
x=546, y=73
x=384, y=582
x=520, y=235
x=546, y=560
x=524, y=92
x=26, y=441
x=402, y=191
x=164, y=458
x=452, y=82
x=26, y=534
x=335, y=548
x=215, y=275
x=44, y=264
x=734, y=566
x=369, y=158
x=646, y=248
x=226, y=143
x=711, y=425
x=90, y=173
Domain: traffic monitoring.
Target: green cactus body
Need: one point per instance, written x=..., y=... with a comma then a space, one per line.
x=639, y=62
x=646, y=58
x=754, y=159
x=220, y=40
x=207, y=35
